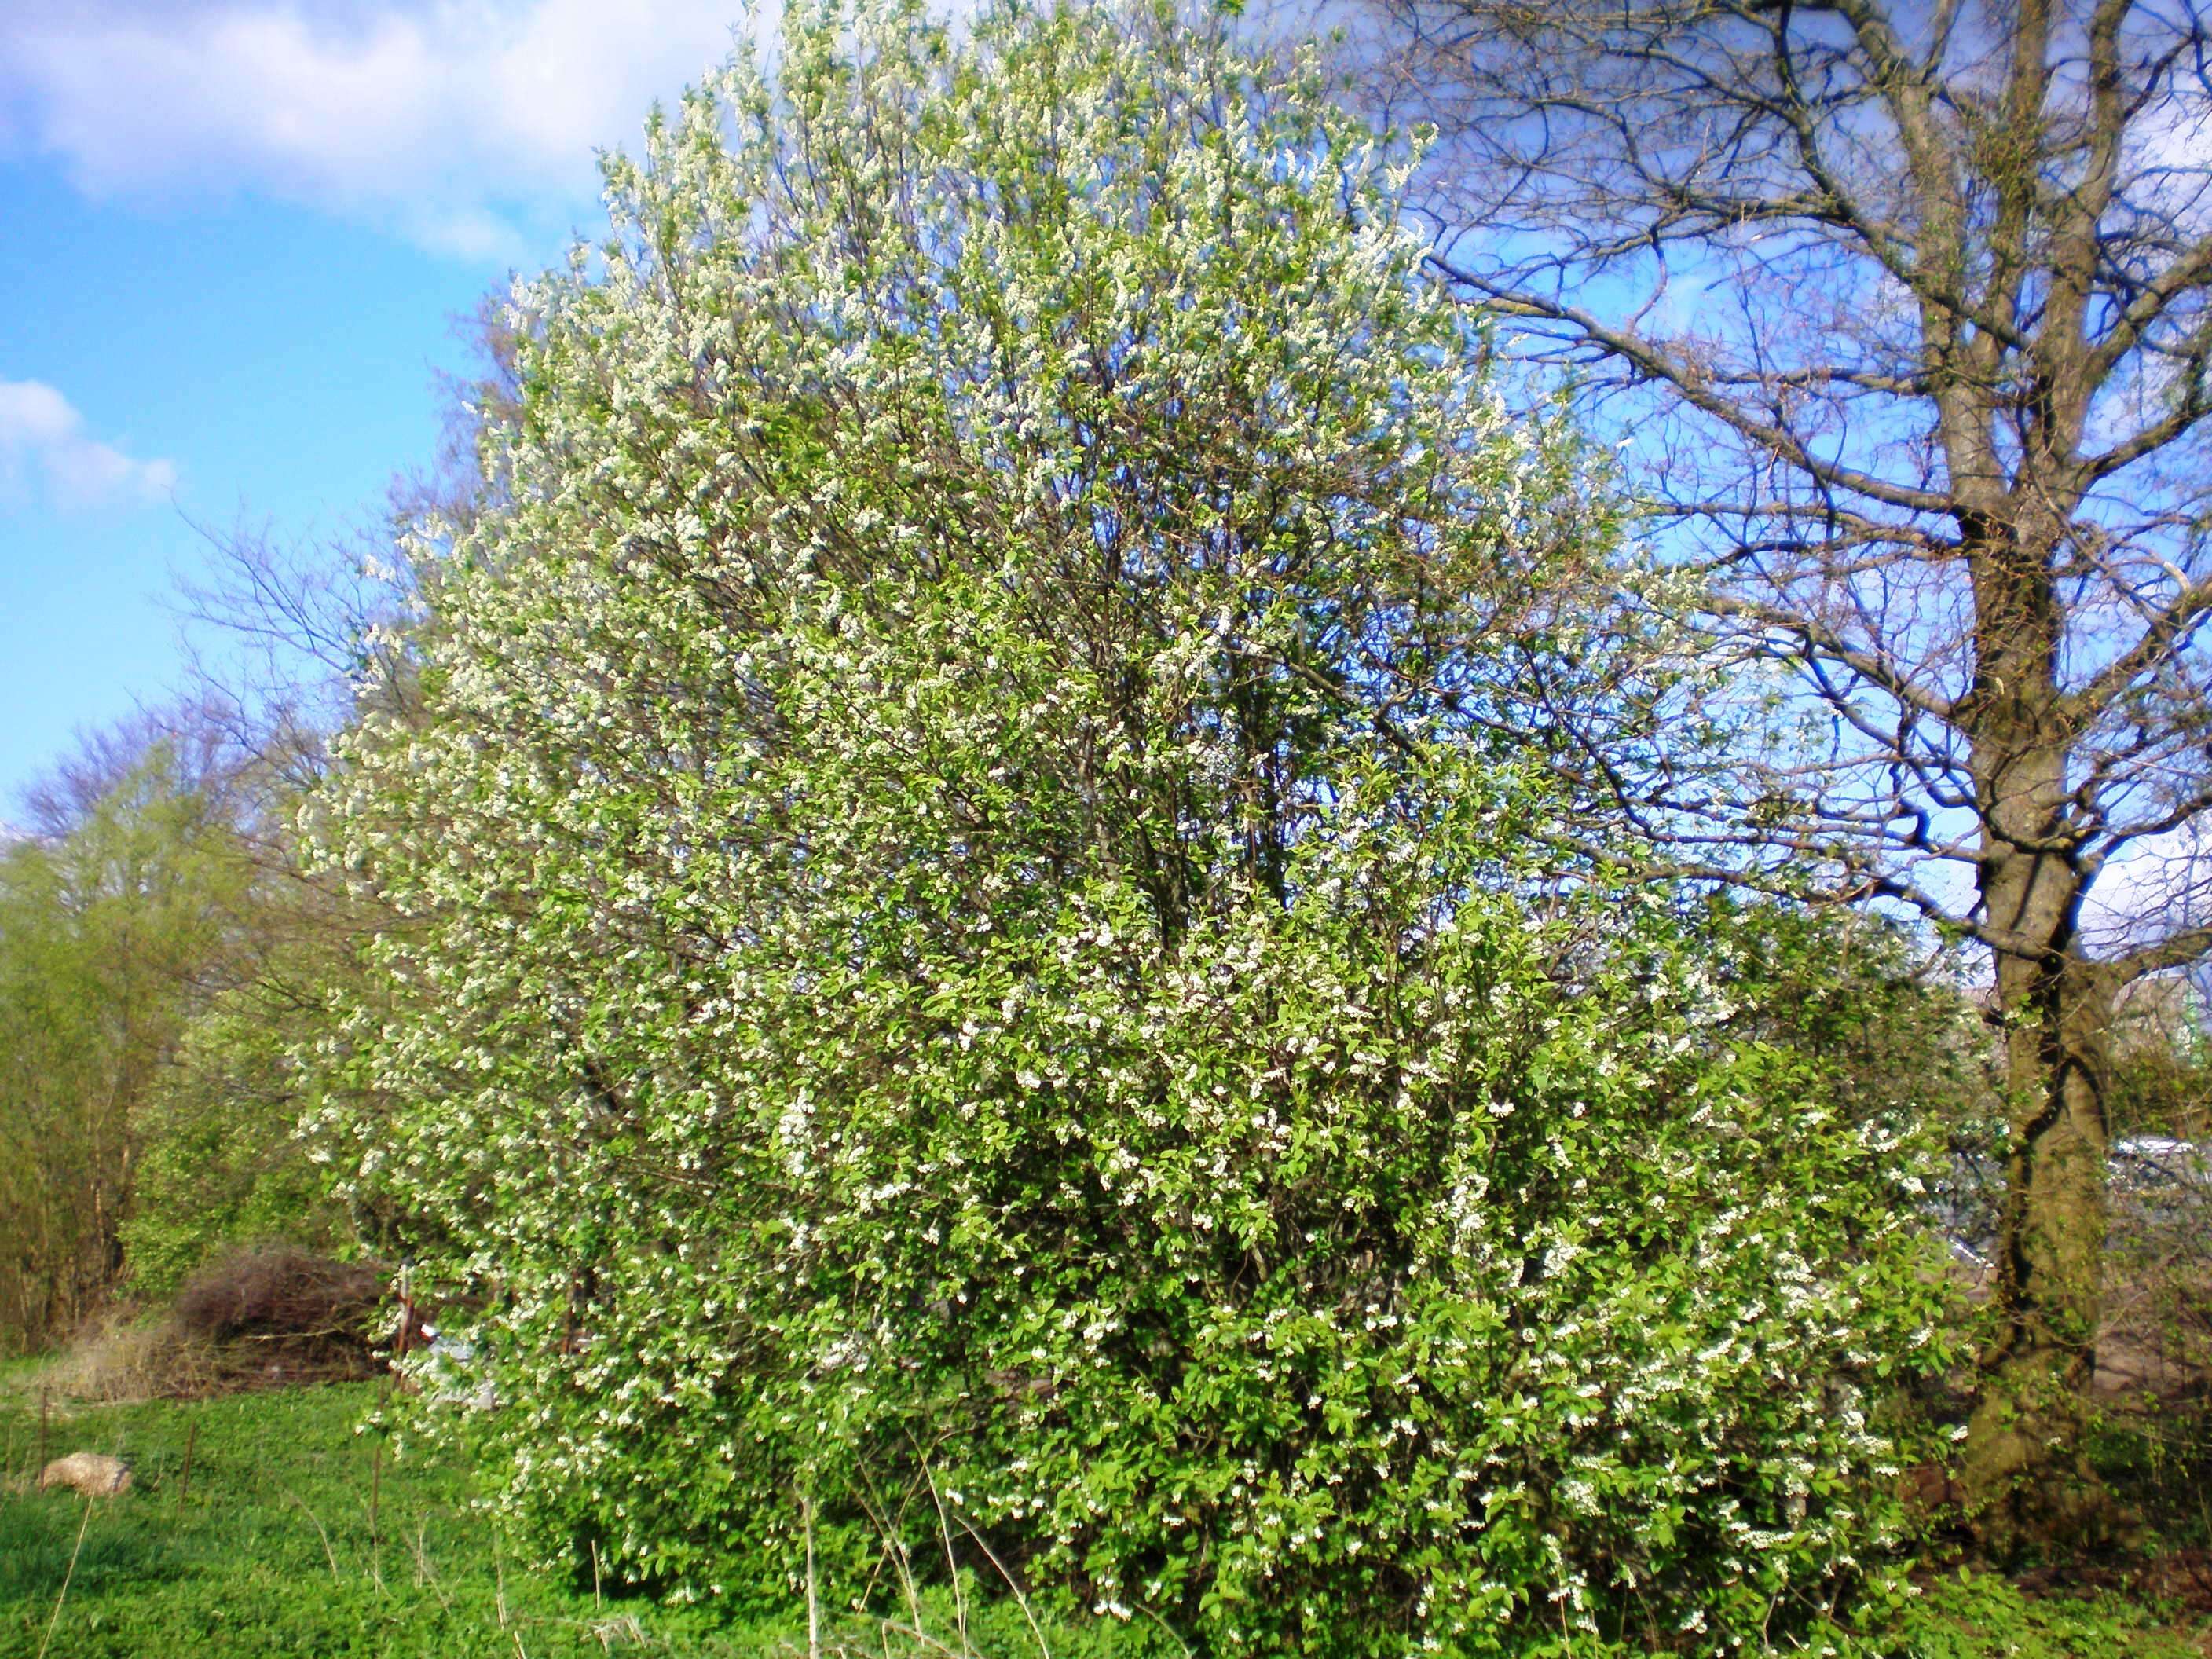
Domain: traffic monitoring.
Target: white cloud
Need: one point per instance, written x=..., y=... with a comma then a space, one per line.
x=41, y=434
x=463, y=123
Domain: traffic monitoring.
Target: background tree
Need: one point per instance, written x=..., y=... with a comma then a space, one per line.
x=109, y=918
x=159, y=953
x=1908, y=308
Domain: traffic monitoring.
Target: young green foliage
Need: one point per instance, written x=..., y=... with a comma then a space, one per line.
x=965, y=967
x=111, y=923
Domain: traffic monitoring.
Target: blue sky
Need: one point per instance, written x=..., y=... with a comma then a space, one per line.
x=239, y=235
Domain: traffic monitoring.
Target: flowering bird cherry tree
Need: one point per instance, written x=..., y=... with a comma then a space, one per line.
x=966, y=968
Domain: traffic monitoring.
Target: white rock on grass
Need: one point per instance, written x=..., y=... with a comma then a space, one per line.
x=88, y=1473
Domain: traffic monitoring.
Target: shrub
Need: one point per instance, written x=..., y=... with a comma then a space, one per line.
x=275, y=1291
x=222, y=1165
x=254, y=1315
x=275, y=1309
x=966, y=961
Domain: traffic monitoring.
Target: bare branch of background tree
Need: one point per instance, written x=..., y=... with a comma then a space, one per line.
x=1907, y=311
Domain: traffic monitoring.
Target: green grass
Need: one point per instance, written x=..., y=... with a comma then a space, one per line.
x=271, y=1552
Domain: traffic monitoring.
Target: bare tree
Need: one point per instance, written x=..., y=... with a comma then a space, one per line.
x=1907, y=307
x=281, y=638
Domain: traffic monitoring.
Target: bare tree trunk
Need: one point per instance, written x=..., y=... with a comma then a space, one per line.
x=2024, y=1469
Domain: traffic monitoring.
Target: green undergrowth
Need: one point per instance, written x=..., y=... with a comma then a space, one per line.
x=271, y=1548
x=1980, y=1616
x=294, y=1536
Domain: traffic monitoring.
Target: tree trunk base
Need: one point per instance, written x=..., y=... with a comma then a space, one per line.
x=2027, y=1480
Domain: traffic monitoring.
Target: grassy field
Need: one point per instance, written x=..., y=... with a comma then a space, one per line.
x=270, y=1547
